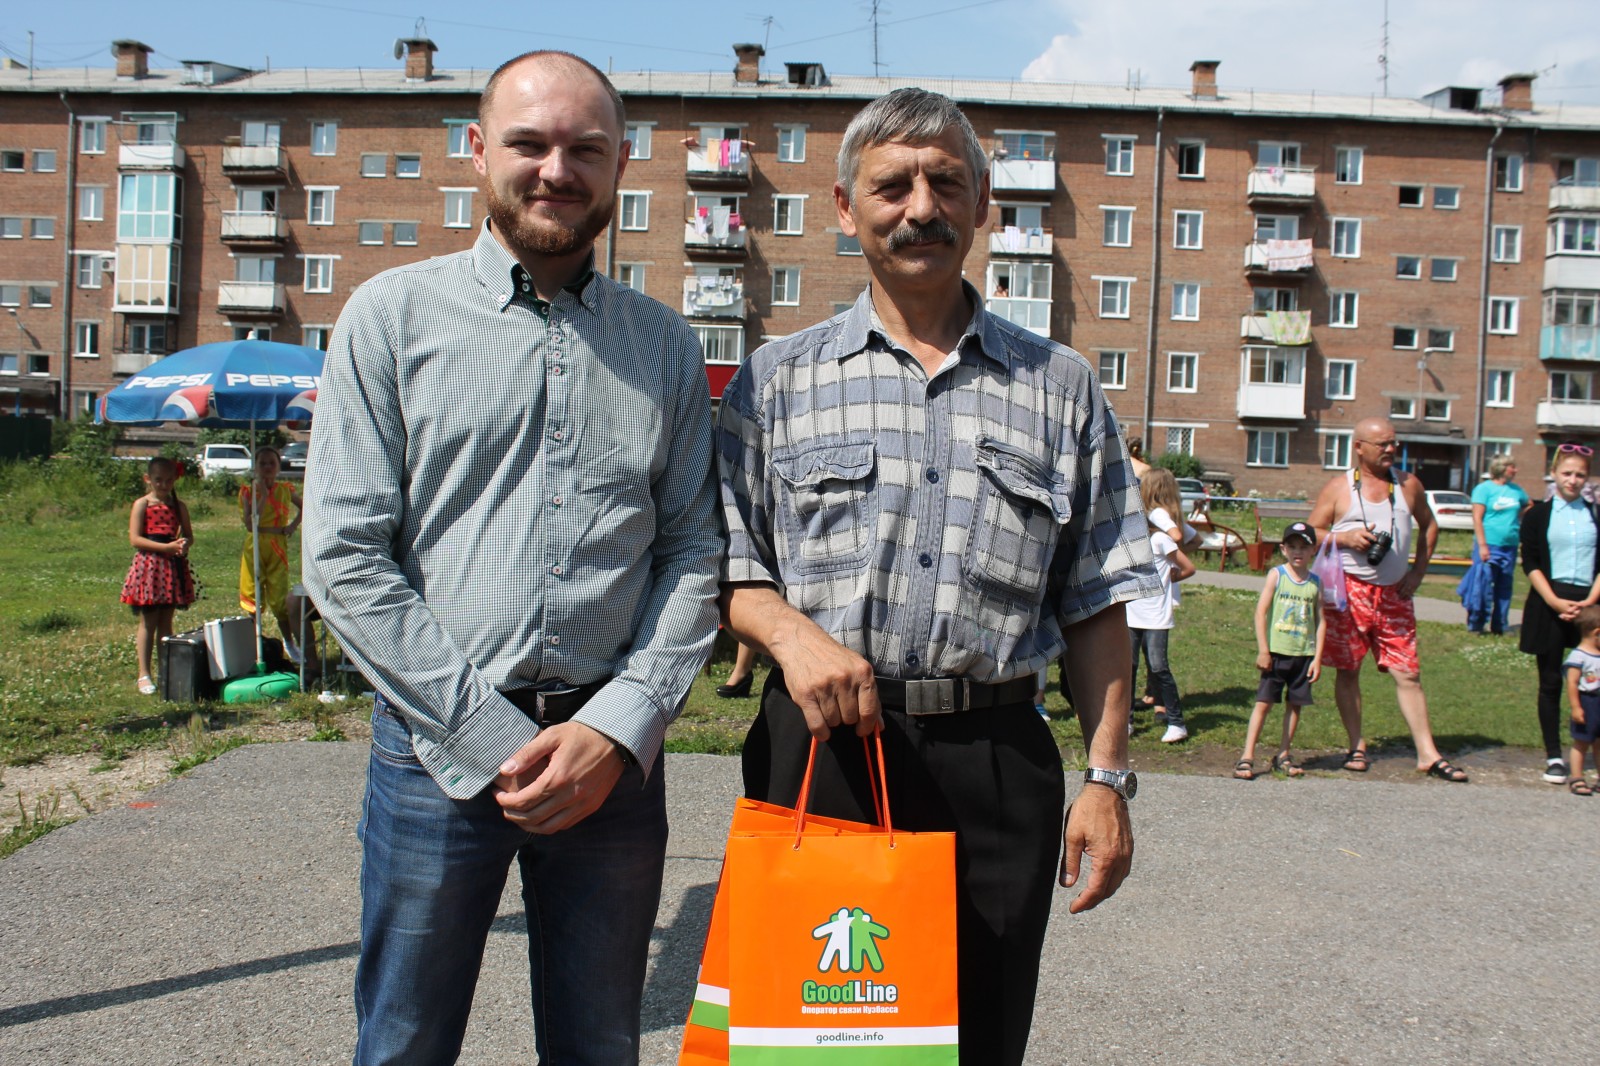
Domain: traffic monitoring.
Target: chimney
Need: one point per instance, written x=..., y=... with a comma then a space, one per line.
x=1205, y=78
x=419, y=58
x=1516, y=92
x=747, y=71
x=133, y=58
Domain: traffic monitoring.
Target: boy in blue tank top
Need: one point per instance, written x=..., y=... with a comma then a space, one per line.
x=1289, y=633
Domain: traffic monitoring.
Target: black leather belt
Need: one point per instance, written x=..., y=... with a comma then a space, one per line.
x=950, y=695
x=552, y=708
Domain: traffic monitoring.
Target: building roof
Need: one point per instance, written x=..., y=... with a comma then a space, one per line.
x=721, y=85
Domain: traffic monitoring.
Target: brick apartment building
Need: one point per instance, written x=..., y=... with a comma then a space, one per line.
x=1251, y=273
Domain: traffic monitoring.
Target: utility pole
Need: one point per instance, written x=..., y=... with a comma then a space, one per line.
x=877, y=67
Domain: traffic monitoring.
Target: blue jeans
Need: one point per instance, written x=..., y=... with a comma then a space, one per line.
x=1162, y=684
x=432, y=872
x=1502, y=564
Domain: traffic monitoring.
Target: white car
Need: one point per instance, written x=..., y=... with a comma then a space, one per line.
x=1452, y=510
x=225, y=459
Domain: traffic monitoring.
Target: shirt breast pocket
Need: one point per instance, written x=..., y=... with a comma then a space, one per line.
x=830, y=512
x=1020, y=513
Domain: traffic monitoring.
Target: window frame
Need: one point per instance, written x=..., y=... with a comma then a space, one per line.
x=408, y=157
x=457, y=142
x=1402, y=189
x=1344, y=308
x=1347, y=369
x=42, y=228
x=90, y=327
x=1500, y=388
x=624, y=197
x=1348, y=225
x=326, y=130
x=1433, y=402
x=322, y=265
x=1109, y=215
x=1126, y=285
x=1339, y=445
x=636, y=275
x=1400, y=264
x=1513, y=307
x=1191, y=375
x=40, y=155
x=783, y=147
x=98, y=139
x=1198, y=221
x=1188, y=287
x=796, y=203
x=458, y=198
x=1349, y=152
x=365, y=229
x=1252, y=448
x=394, y=234
x=790, y=277
x=1448, y=336
x=1496, y=244
x=1118, y=366
x=368, y=158
x=328, y=197
x=1395, y=339
x=1454, y=197
x=1198, y=175
x=637, y=134
x=91, y=196
x=95, y=265
x=1124, y=150
x=1435, y=262
x=1507, y=172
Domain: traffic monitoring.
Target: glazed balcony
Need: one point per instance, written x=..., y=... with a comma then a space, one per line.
x=252, y=227
x=713, y=298
x=164, y=156
x=1568, y=414
x=1285, y=260
x=1577, y=343
x=250, y=297
x=247, y=160
x=1281, y=185
x=1014, y=241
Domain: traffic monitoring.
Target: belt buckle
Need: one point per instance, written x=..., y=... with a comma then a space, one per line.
x=936, y=695
x=538, y=709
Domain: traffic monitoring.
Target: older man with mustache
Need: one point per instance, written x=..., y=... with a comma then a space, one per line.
x=926, y=505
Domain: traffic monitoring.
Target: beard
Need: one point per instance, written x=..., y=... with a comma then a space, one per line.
x=937, y=231
x=545, y=235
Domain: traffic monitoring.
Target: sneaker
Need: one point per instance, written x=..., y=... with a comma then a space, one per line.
x=1043, y=713
x=1555, y=771
x=1174, y=734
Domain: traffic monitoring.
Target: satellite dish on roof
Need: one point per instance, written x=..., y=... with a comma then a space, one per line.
x=399, y=48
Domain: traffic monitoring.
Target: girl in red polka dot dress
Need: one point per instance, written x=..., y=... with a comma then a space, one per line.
x=159, y=581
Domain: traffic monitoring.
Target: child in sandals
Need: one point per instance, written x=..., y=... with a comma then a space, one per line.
x=1289, y=632
x=1582, y=667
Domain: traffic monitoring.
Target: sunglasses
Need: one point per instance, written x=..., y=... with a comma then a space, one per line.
x=1575, y=449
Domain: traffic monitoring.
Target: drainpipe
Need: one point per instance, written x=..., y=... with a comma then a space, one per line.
x=68, y=228
x=1481, y=381
x=1155, y=296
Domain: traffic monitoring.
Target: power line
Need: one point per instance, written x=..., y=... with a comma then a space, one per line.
x=895, y=22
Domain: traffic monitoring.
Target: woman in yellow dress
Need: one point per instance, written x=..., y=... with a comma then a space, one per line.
x=276, y=498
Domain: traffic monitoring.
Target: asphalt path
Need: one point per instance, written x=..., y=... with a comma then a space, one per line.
x=1329, y=919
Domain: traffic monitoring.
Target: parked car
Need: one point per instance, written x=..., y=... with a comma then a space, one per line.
x=1194, y=494
x=294, y=455
x=225, y=459
x=1452, y=510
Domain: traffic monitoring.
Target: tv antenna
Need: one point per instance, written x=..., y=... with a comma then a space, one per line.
x=877, y=66
x=767, y=22
x=1383, y=54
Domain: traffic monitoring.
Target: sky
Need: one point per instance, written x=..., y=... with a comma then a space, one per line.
x=1286, y=45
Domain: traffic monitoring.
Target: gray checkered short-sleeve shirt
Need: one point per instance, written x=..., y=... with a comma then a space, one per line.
x=940, y=528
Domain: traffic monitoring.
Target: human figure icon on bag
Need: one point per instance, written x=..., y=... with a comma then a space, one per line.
x=841, y=941
x=864, y=936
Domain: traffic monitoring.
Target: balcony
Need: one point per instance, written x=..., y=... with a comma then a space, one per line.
x=706, y=165
x=1022, y=175
x=1571, y=270
x=1014, y=241
x=1260, y=400
x=1578, y=343
x=1568, y=414
x=245, y=160
x=1575, y=198
x=132, y=362
x=1272, y=383
x=1285, y=260
x=713, y=297
x=1281, y=185
x=1031, y=315
x=733, y=240
x=250, y=297
x=165, y=156
x=1286, y=328
x=250, y=227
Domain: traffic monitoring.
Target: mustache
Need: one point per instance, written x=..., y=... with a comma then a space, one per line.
x=545, y=190
x=938, y=231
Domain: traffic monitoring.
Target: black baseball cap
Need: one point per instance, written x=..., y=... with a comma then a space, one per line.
x=1300, y=531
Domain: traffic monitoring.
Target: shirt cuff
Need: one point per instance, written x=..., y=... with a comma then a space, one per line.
x=629, y=716
x=470, y=758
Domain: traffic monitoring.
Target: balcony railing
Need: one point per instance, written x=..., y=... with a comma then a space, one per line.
x=1033, y=315
x=1281, y=183
x=132, y=362
x=238, y=158
x=1015, y=241
x=711, y=162
x=713, y=298
x=1022, y=175
x=1288, y=259
x=1575, y=198
x=167, y=156
x=1262, y=400
x=1571, y=270
x=252, y=226
x=731, y=241
x=1287, y=328
x=260, y=297
x=1568, y=414
x=1579, y=343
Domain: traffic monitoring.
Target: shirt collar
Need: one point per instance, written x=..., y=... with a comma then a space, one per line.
x=1560, y=504
x=502, y=275
x=861, y=324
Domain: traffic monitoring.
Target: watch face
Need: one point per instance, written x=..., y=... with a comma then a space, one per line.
x=1130, y=784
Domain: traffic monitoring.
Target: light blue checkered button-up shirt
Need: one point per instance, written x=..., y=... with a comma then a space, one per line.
x=496, y=499
x=944, y=527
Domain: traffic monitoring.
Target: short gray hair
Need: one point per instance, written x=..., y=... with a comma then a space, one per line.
x=1499, y=465
x=907, y=116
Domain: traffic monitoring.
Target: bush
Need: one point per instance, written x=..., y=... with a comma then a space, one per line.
x=1181, y=464
x=264, y=435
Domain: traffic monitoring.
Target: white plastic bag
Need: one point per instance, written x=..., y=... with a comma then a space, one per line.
x=1329, y=568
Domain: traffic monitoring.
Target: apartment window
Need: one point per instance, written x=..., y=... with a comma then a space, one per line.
x=1507, y=246
x=1336, y=450
x=1344, y=309
x=252, y=333
x=1580, y=308
x=8, y=363
x=1411, y=195
x=1274, y=366
x=1573, y=386
x=1446, y=197
x=374, y=165
x=1114, y=370
x=638, y=136
x=786, y=286
x=1191, y=159
x=791, y=144
x=1114, y=297
x=1340, y=383
x=631, y=275
x=1405, y=336
x=40, y=296
x=1183, y=371
x=408, y=166
x=1408, y=266
x=1585, y=172
x=1277, y=228
x=633, y=209
x=369, y=232
x=91, y=203
x=844, y=244
x=1503, y=314
x=1180, y=440
x=1347, y=166
x=1020, y=293
x=44, y=161
x=1278, y=154
x=1508, y=173
x=147, y=277
x=1436, y=410
x=1117, y=229
x=11, y=228
x=14, y=162
x=89, y=270
x=1266, y=447
x=722, y=344
x=788, y=215
x=92, y=136
x=43, y=229
x=1442, y=269
x=319, y=206
x=458, y=208
x=1186, y=301
x=324, y=138
x=86, y=340
x=1347, y=238
x=1187, y=229
x=1580, y=236
x=319, y=273
x=1119, y=155
x=1264, y=300
x=315, y=337
x=147, y=338
x=260, y=135
x=1502, y=388
x=405, y=233
x=10, y=295
x=1442, y=339
x=257, y=268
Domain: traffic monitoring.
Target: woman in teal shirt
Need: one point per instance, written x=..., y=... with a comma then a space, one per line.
x=1497, y=509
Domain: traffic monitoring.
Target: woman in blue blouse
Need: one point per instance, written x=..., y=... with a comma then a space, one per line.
x=1559, y=538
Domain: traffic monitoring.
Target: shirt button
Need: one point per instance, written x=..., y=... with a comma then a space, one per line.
x=555, y=370
x=555, y=501
x=558, y=435
x=912, y=660
x=556, y=570
x=933, y=475
x=555, y=640
x=925, y=559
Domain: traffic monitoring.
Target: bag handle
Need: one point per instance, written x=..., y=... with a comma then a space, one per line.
x=879, y=783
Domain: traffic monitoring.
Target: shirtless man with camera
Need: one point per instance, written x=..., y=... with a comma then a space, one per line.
x=1372, y=511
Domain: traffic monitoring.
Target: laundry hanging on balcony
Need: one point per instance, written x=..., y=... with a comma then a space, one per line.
x=719, y=222
x=1288, y=327
x=1288, y=255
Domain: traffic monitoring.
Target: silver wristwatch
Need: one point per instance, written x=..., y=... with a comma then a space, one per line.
x=1124, y=783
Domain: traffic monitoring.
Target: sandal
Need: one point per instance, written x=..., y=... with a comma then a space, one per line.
x=146, y=686
x=1356, y=761
x=1244, y=770
x=1579, y=787
x=1445, y=772
x=1283, y=762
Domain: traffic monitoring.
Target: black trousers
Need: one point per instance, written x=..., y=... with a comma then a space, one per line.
x=1552, y=694
x=993, y=777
